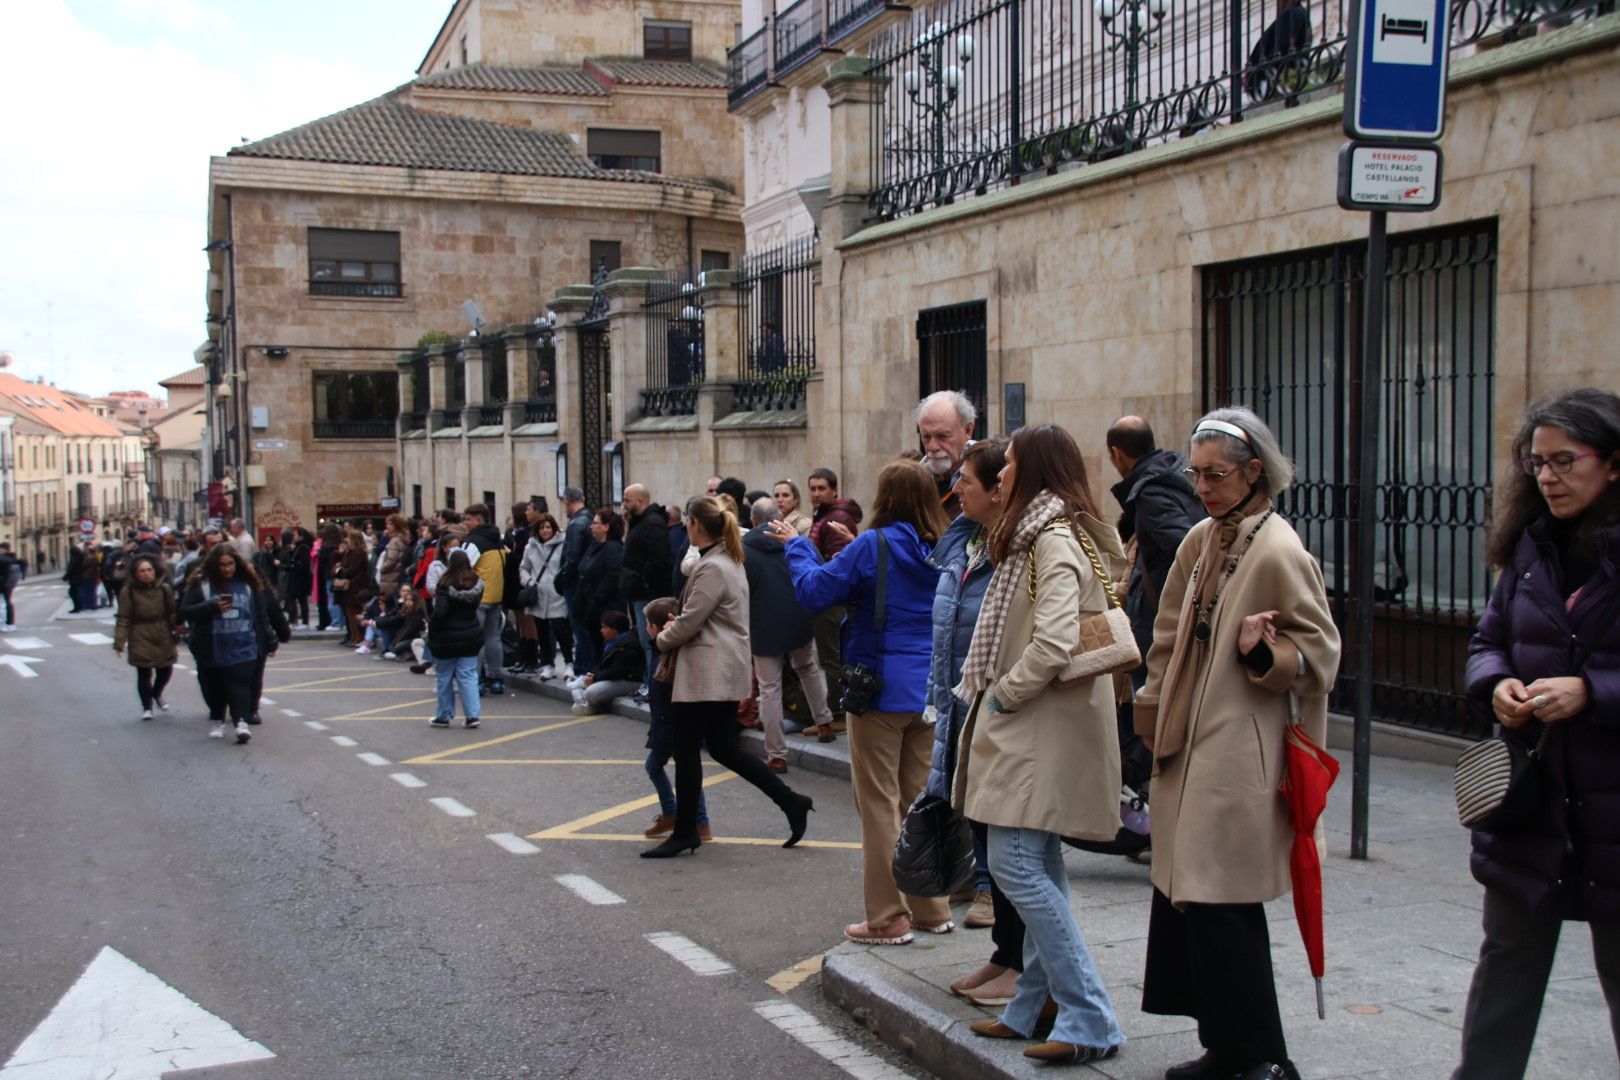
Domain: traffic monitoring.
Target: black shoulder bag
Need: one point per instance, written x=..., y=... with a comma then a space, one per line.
x=863, y=682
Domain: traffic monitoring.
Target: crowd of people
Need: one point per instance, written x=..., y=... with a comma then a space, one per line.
x=939, y=631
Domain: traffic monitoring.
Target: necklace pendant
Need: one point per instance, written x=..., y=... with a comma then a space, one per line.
x=1202, y=631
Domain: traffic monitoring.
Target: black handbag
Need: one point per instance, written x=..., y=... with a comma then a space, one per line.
x=1499, y=781
x=934, y=855
x=863, y=682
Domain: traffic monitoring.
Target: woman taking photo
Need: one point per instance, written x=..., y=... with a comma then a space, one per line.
x=1243, y=630
x=542, y=557
x=456, y=637
x=1546, y=659
x=228, y=612
x=147, y=616
x=707, y=645
x=1040, y=761
x=889, y=742
x=963, y=559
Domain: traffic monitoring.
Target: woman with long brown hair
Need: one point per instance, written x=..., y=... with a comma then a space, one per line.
x=351, y=586
x=228, y=610
x=1039, y=759
x=890, y=743
x=707, y=644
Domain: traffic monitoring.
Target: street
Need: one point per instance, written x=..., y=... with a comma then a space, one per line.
x=359, y=895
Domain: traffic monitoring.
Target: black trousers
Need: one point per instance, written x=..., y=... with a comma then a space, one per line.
x=11, y=608
x=228, y=688
x=258, y=681
x=1213, y=962
x=297, y=605
x=715, y=723
x=1007, y=936
x=149, y=683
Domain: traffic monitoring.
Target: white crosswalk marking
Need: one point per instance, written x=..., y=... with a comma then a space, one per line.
x=815, y=1035
x=514, y=843
x=344, y=740
x=405, y=779
x=373, y=759
x=700, y=960
x=316, y=725
x=92, y=639
x=588, y=890
x=26, y=642
x=453, y=807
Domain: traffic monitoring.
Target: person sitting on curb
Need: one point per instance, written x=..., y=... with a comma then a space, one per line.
x=618, y=673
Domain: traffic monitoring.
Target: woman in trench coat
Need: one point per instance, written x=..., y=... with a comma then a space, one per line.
x=1243, y=632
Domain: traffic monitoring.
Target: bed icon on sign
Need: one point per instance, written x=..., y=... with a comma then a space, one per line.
x=1390, y=27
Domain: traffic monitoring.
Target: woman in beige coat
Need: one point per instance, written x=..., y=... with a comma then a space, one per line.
x=1243, y=630
x=714, y=667
x=1037, y=762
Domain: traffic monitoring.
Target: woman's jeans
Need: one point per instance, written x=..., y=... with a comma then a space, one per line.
x=452, y=675
x=656, y=761
x=1028, y=867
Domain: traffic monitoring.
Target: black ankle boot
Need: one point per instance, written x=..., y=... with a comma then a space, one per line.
x=798, y=814
x=673, y=846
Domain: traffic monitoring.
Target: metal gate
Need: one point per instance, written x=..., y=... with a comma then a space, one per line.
x=951, y=346
x=1282, y=336
x=595, y=410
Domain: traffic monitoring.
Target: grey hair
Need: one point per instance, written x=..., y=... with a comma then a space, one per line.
x=1275, y=467
x=763, y=510
x=965, y=412
x=573, y=494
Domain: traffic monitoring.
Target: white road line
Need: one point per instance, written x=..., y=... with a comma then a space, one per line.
x=373, y=759
x=405, y=779
x=26, y=642
x=453, y=807
x=815, y=1035
x=588, y=890
x=181, y=667
x=700, y=960
x=267, y=701
x=344, y=740
x=514, y=843
x=294, y=713
x=316, y=725
x=92, y=639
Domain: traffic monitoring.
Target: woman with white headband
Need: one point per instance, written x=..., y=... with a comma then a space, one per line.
x=1243, y=630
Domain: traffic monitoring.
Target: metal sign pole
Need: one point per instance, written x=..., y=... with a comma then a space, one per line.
x=1371, y=401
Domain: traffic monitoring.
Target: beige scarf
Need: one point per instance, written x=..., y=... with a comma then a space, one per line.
x=1181, y=677
x=1043, y=509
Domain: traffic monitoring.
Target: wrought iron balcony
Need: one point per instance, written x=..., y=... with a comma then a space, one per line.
x=543, y=411
x=491, y=415
x=792, y=37
x=416, y=421
x=354, y=429
x=670, y=400
x=747, y=67
x=798, y=34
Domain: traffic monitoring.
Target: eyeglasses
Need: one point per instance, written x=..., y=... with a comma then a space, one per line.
x=1214, y=476
x=1561, y=463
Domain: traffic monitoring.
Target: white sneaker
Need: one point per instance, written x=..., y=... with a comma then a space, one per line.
x=217, y=731
x=548, y=672
x=242, y=732
x=146, y=714
x=362, y=648
x=162, y=706
x=567, y=671
x=387, y=656
x=581, y=709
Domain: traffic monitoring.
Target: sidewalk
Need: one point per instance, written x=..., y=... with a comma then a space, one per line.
x=1402, y=936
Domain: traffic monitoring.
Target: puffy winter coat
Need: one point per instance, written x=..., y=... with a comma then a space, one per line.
x=147, y=615
x=851, y=577
x=392, y=564
x=957, y=599
x=541, y=561
x=455, y=629
x=1566, y=862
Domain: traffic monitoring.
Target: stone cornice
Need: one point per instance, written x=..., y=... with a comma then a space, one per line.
x=274, y=174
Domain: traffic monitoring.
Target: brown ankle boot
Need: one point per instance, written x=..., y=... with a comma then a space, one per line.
x=662, y=825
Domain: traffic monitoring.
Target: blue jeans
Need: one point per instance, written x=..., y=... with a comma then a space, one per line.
x=584, y=644
x=638, y=619
x=1028, y=868
x=666, y=793
x=460, y=673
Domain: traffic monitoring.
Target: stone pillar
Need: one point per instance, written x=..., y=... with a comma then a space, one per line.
x=569, y=305
x=722, y=351
x=626, y=291
x=518, y=340
x=403, y=363
x=472, y=353
x=438, y=388
x=852, y=92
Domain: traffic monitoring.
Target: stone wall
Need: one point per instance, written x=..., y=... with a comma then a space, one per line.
x=511, y=32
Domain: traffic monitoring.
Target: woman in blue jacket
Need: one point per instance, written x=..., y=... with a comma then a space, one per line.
x=889, y=742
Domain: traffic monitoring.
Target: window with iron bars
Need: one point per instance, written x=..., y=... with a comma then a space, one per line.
x=952, y=354
x=675, y=348
x=776, y=313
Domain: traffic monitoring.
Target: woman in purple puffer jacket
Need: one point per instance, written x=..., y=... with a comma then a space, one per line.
x=1546, y=658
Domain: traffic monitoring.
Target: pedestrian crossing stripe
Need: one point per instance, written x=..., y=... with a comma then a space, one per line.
x=92, y=639
x=26, y=642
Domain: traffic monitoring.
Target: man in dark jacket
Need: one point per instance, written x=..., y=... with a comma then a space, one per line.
x=778, y=627
x=576, y=539
x=10, y=573
x=827, y=508
x=644, y=575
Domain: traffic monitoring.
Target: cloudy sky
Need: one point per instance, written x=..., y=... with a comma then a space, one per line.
x=111, y=111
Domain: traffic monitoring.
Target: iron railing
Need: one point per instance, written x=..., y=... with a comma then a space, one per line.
x=355, y=429
x=953, y=354
x=543, y=365
x=455, y=381
x=976, y=94
x=1282, y=335
x=675, y=360
x=797, y=34
x=416, y=420
x=491, y=415
x=328, y=287
x=792, y=37
x=495, y=388
x=748, y=66
x=541, y=411
x=776, y=322
x=844, y=17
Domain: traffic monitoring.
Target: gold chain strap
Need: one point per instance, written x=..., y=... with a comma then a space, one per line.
x=1091, y=553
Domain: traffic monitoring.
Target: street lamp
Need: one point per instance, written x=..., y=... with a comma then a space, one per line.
x=935, y=84
x=1127, y=22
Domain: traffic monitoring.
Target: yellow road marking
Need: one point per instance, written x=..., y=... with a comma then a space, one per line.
x=386, y=708
x=328, y=682
x=566, y=831
x=790, y=979
x=749, y=841
x=441, y=756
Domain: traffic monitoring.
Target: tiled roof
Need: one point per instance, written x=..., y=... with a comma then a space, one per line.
x=56, y=409
x=516, y=80
x=385, y=132
x=634, y=71
x=194, y=376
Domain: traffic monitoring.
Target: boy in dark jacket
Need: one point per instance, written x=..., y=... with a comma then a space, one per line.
x=619, y=671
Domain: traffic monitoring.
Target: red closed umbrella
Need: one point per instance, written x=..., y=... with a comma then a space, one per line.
x=1310, y=773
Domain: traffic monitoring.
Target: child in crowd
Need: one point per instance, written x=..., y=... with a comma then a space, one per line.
x=618, y=673
x=661, y=735
x=378, y=607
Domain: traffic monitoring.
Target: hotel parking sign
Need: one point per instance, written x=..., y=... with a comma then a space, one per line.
x=1395, y=85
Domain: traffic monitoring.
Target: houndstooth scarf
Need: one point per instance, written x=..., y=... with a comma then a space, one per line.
x=1043, y=509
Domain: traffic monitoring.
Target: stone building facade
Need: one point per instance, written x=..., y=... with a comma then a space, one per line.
x=519, y=167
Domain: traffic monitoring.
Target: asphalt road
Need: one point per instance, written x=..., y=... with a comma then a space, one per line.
x=344, y=921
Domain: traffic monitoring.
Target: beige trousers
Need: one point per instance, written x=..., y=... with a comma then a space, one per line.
x=888, y=757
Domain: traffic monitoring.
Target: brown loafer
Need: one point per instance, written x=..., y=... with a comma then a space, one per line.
x=1062, y=1053
x=662, y=825
x=776, y=764
x=994, y=1029
x=824, y=733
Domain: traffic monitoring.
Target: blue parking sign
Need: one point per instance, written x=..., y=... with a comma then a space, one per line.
x=1395, y=85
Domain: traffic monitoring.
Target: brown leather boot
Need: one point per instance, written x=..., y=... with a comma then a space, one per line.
x=662, y=825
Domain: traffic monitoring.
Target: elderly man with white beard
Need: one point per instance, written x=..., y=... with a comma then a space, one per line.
x=945, y=422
